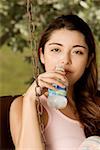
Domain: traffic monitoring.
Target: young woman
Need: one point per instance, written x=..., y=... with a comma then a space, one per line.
x=67, y=42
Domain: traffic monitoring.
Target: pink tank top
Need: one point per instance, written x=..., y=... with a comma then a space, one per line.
x=61, y=132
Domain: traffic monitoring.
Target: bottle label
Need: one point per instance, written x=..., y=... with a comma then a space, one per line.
x=60, y=91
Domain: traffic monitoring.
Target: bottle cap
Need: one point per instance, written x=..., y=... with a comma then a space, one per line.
x=59, y=68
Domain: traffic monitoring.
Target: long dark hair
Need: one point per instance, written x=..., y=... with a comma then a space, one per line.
x=85, y=89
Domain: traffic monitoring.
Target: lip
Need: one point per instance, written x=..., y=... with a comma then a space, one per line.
x=68, y=72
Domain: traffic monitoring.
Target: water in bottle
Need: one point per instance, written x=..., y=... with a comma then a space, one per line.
x=57, y=99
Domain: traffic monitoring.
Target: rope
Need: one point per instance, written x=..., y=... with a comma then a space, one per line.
x=35, y=66
x=33, y=43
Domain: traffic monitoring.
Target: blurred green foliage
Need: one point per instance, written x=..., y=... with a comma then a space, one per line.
x=15, y=72
x=14, y=18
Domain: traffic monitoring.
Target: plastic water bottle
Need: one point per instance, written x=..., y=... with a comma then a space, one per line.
x=57, y=99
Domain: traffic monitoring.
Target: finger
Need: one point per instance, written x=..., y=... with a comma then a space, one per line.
x=46, y=94
x=44, y=84
x=54, y=81
x=55, y=75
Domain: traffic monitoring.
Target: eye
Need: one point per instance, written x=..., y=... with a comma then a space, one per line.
x=79, y=52
x=55, y=50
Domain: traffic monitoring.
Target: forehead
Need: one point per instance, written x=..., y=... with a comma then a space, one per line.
x=66, y=36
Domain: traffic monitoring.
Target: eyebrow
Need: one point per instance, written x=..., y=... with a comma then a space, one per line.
x=79, y=46
x=73, y=46
x=55, y=44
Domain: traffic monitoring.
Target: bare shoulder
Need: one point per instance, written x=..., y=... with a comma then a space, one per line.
x=16, y=107
x=17, y=103
x=16, y=118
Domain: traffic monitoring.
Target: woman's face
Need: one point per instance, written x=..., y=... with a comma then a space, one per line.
x=66, y=48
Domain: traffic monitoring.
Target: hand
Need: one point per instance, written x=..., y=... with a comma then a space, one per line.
x=46, y=81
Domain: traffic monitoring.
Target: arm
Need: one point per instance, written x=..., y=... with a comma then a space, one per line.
x=24, y=122
x=25, y=129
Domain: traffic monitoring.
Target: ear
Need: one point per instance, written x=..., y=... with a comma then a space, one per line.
x=89, y=61
x=41, y=56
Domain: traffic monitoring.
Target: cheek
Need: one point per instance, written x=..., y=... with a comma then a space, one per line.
x=80, y=72
x=80, y=68
x=81, y=63
x=50, y=64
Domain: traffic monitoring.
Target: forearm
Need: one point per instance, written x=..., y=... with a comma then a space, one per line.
x=30, y=136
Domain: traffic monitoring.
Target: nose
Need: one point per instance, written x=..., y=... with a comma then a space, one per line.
x=65, y=59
